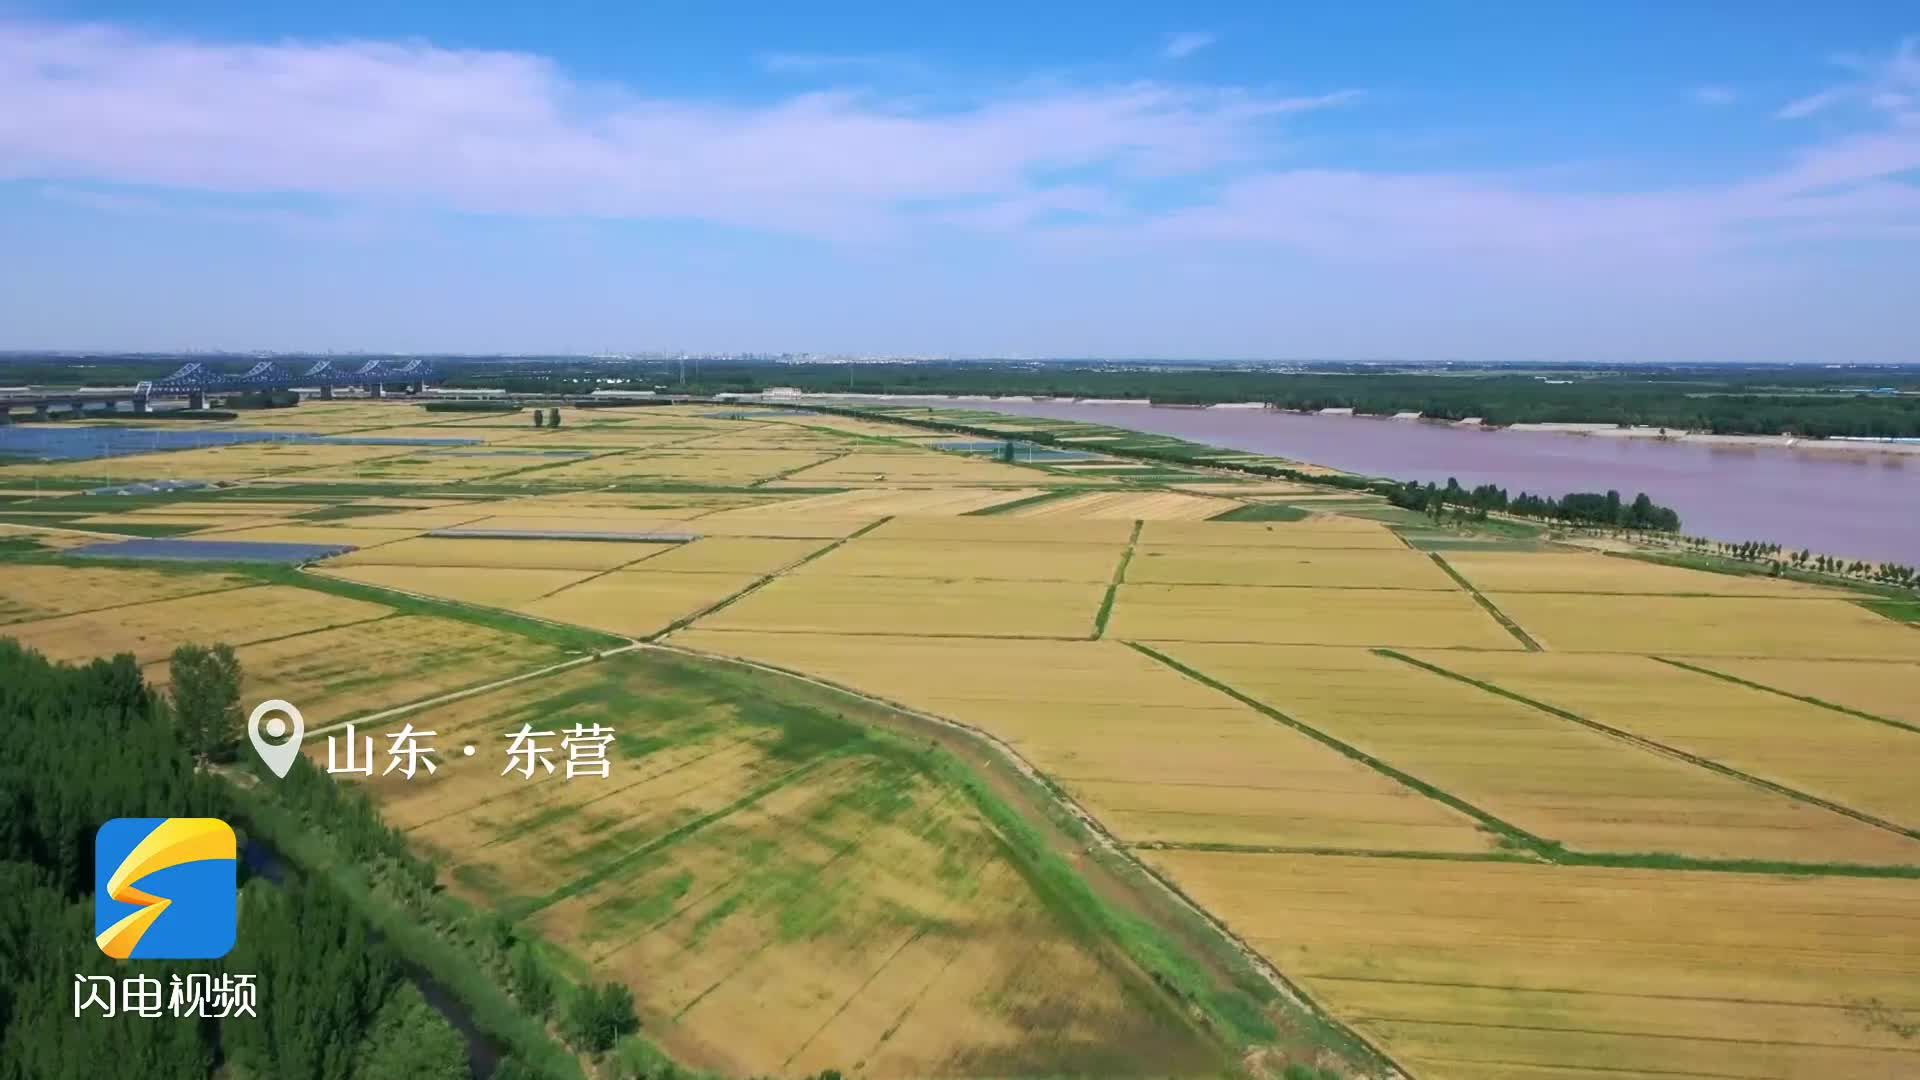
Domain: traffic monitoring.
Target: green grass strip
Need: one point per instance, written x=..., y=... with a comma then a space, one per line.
x=1500, y=616
x=1901, y=611
x=1262, y=512
x=1113, y=586
x=1749, y=684
x=1030, y=500
x=1513, y=834
x=1657, y=747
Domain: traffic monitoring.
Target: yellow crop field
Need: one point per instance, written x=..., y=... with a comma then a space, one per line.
x=1709, y=626
x=1318, y=531
x=764, y=521
x=335, y=674
x=870, y=556
x=1858, y=763
x=1208, y=564
x=1887, y=690
x=229, y=508
x=310, y=534
x=488, y=587
x=1308, y=616
x=1584, y=572
x=909, y=467
x=444, y=517
x=204, y=523
x=1129, y=506
x=885, y=502
x=513, y=554
x=1503, y=971
x=826, y=605
x=1001, y=528
x=636, y=602
x=436, y=465
x=734, y=555
x=1543, y=773
x=151, y=630
x=707, y=466
x=37, y=592
x=1155, y=756
x=236, y=462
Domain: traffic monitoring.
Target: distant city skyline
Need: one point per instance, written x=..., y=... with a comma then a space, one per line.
x=1482, y=182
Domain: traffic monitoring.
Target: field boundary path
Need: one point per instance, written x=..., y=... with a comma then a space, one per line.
x=1512, y=627
x=1751, y=685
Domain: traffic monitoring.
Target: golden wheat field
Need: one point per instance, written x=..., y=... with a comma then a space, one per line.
x=1398, y=617
x=485, y=586
x=1211, y=564
x=1520, y=972
x=885, y=502
x=1890, y=690
x=1155, y=756
x=1129, y=506
x=1858, y=763
x=989, y=532
x=735, y=555
x=636, y=602
x=1543, y=773
x=36, y=592
x=1591, y=572
x=150, y=630
x=1318, y=531
x=824, y=604
x=1709, y=626
x=481, y=552
x=872, y=556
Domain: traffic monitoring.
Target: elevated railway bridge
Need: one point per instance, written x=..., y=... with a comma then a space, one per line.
x=196, y=381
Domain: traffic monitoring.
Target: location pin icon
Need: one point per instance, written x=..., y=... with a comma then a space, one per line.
x=278, y=756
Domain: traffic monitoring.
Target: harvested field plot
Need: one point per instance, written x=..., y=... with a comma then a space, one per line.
x=636, y=602
x=734, y=555
x=885, y=502
x=1207, y=564
x=1154, y=755
x=335, y=674
x=37, y=592
x=822, y=604
x=1413, y=618
x=1857, y=763
x=779, y=892
x=151, y=630
x=1002, y=529
x=1887, y=690
x=1129, y=506
x=1588, y=572
x=869, y=556
x=489, y=587
x=1515, y=972
x=522, y=554
x=1543, y=773
x=1319, y=531
x=1709, y=626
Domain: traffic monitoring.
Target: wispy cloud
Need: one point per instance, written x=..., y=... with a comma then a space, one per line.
x=1182, y=45
x=1889, y=84
x=1716, y=96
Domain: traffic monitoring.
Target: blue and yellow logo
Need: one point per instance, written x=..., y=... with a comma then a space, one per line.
x=165, y=888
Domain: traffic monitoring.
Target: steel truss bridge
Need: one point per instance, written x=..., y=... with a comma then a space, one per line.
x=194, y=381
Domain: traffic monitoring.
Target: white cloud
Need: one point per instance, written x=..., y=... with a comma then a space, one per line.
x=1887, y=84
x=1182, y=45
x=1715, y=95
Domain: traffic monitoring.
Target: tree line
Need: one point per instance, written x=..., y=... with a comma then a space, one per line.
x=1578, y=508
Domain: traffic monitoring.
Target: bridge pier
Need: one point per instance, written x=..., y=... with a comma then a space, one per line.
x=140, y=406
x=40, y=412
x=196, y=399
x=326, y=392
x=377, y=390
x=417, y=388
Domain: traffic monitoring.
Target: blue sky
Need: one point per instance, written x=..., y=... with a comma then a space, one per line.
x=1624, y=181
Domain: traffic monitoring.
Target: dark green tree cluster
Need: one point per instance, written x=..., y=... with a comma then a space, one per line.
x=206, y=699
x=89, y=743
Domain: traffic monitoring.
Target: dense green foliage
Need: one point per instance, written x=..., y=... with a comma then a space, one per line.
x=91, y=743
x=1578, y=508
x=206, y=699
x=598, y=1014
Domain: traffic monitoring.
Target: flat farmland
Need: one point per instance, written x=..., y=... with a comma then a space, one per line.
x=911, y=467
x=527, y=554
x=712, y=466
x=870, y=556
x=335, y=674
x=1891, y=691
x=885, y=502
x=819, y=603
x=1858, y=763
x=1305, y=616
x=38, y=592
x=735, y=555
x=1210, y=564
x=1319, y=531
x=999, y=529
x=151, y=630
x=1499, y=971
x=636, y=602
x=1589, y=572
x=1155, y=756
x=308, y=534
x=1129, y=506
x=1709, y=626
x=487, y=587
x=769, y=522
x=780, y=891
x=1547, y=775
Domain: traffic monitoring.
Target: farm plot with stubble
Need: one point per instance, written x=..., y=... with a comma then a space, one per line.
x=782, y=892
x=1491, y=971
x=150, y=630
x=39, y=591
